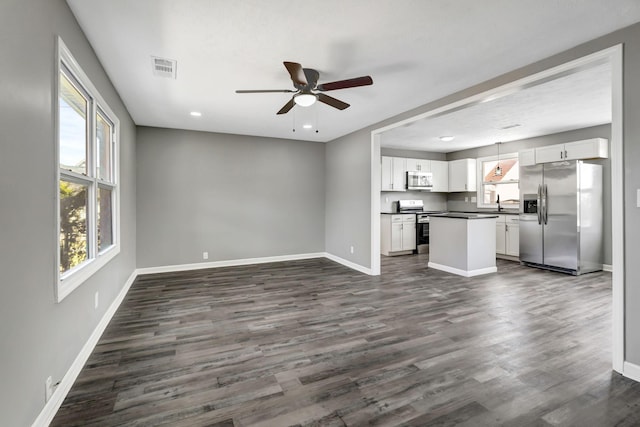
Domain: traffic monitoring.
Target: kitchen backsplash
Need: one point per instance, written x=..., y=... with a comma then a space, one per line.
x=432, y=201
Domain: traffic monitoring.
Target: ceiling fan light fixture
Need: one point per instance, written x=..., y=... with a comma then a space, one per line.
x=305, y=99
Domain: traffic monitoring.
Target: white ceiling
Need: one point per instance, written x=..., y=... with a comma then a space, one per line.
x=416, y=51
x=581, y=99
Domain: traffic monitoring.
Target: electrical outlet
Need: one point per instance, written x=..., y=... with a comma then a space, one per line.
x=351, y=249
x=95, y=300
x=386, y=200
x=466, y=199
x=205, y=255
x=48, y=389
x=473, y=199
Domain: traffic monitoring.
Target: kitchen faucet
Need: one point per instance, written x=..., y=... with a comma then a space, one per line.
x=498, y=201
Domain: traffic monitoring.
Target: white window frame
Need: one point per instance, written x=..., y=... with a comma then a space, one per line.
x=480, y=180
x=66, y=282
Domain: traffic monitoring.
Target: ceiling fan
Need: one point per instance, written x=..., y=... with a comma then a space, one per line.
x=308, y=91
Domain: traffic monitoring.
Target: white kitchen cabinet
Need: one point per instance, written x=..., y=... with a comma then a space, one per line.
x=593, y=148
x=397, y=234
x=393, y=174
x=440, y=171
x=512, y=236
x=527, y=157
x=508, y=235
x=462, y=175
x=418, y=165
x=501, y=228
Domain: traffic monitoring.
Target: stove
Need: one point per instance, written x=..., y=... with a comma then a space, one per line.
x=422, y=222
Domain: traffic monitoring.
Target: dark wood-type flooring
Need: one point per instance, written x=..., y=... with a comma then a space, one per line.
x=313, y=343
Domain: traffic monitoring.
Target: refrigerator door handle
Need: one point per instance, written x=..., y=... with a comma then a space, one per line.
x=546, y=201
x=539, y=204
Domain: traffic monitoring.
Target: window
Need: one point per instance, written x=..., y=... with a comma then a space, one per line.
x=505, y=185
x=87, y=188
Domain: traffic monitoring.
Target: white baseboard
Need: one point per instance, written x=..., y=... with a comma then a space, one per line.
x=227, y=263
x=349, y=264
x=607, y=267
x=631, y=370
x=51, y=408
x=465, y=273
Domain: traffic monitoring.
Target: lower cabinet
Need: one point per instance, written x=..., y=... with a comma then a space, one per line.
x=397, y=234
x=512, y=239
x=508, y=235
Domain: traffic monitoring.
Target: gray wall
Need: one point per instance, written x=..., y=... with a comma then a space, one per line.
x=348, y=197
x=456, y=201
x=39, y=336
x=234, y=196
x=338, y=200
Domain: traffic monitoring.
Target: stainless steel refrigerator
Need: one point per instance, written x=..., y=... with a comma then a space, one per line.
x=561, y=216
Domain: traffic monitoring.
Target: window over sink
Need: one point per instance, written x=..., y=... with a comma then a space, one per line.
x=503, y=184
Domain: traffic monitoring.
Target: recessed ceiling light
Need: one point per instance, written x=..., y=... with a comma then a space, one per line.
x=307, y=126
x=447, y=138
x=196, y=113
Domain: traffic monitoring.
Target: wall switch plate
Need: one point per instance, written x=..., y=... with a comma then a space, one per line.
x=386, y=200
x=466, y=199
x=48, y=389
x=205, y=255
x=95, y=300
x=351, y=249
x=638, y=198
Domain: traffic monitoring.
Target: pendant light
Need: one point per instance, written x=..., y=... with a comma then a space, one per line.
x=498, y=171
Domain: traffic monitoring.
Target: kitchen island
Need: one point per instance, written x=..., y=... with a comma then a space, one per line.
x=463, y=243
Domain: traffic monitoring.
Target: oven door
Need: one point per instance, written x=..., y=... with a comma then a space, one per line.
x=422, y=230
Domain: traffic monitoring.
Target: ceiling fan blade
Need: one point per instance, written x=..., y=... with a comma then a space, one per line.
x=344, y=84
x=288, y=106
x=312, y=76
x=297, y=73
x=335, y=103
x=267, y=91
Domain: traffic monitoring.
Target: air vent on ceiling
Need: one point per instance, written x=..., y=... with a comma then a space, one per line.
x=163, y=67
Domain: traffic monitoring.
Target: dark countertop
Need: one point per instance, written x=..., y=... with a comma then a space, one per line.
x=511, y=212
x=398, y=213
x=463, y=215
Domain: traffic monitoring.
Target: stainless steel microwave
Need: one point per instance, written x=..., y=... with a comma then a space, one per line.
x=419, y=181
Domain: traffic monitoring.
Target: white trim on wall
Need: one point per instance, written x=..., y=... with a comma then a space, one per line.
x=249, y=261
x=375, y=203
x=615, y=56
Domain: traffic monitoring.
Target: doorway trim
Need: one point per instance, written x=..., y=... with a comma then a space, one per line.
x=613, y=55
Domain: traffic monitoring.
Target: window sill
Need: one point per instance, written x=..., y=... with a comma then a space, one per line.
x=69, y=284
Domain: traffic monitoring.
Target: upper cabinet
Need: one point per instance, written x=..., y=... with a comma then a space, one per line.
x=587, y=149
x=393, y=174
x=527, y=157
x=462, y=175
x=419, y=165
x=440, y=171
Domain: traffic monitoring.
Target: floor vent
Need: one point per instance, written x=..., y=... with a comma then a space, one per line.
x=163, y=67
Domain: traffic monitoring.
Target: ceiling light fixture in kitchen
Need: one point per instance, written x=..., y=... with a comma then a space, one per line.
x=196, y=114
x=447, y=138
x=498, y=171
